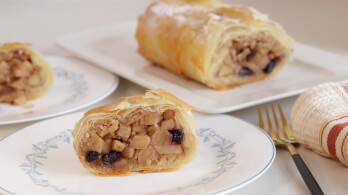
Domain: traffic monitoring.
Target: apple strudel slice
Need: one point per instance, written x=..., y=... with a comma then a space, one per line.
x=219, y=45
x=24, y=73
x=144, y=133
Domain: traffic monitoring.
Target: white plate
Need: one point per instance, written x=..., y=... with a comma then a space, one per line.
x=76, y=85
x=40, y=159
x=114, y=48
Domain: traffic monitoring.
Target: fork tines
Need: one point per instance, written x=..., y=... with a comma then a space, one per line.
x=287, y=142
x=280, y=138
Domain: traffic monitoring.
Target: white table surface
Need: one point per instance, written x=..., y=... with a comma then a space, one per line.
x=319, y=23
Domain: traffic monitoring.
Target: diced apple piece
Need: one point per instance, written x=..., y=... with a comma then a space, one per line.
x=152, y=118
x=103, y=131
x=168, y=114
x=152, y=129
x=19, y=83
x=167, y=125
x=23, y=69
x=128, y=152
x=108, y=136
x=168, y=139
x=158, y=138
x=5, y=56
x=96, y=143
x=117, y=146
x=124, y=131
x=140, y=141
x=139, y=128
x=107, y=146
x=146, y=156
x=4, y=67
x=113, y=127
x=169, y=149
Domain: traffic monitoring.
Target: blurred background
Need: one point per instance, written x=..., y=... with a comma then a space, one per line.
x=320, y=23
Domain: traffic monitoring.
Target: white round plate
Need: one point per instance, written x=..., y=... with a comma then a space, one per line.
x=40, y=159
x=114, y=48
x=76, y=85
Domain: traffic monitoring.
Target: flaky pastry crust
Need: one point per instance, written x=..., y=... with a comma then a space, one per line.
x=139, y=115
x=219, y=45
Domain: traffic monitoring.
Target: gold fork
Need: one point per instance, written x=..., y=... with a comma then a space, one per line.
x=287, y=141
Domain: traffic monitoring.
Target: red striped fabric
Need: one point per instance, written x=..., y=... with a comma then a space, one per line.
x=323, y=129
x=331, y=140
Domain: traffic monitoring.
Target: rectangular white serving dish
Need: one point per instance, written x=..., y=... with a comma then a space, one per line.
x=114, y=48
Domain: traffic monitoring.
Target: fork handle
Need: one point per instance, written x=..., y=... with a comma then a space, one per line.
x=307, y=175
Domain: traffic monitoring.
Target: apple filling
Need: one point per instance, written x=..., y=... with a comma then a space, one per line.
x=18, y=73
x=142, y=139
x=250, y=57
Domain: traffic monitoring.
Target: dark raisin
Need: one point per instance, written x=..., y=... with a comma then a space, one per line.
x=91, y=156
x=245, y=71
x=111, y=157
x=177, y=136
x=270, y=66
x=250, y=55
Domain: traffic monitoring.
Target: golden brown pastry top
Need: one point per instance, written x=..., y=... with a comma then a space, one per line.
x=193, y=11
x=189, y=37
x=150, y=96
